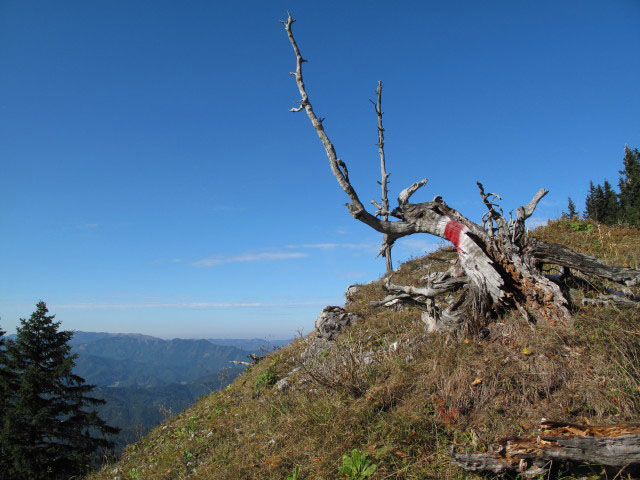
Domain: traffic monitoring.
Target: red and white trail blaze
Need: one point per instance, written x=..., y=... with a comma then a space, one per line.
x=453, y=231
x=475, y=262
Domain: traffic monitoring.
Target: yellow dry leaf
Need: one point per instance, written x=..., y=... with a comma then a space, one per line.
x=476, y=382
x=526, y=351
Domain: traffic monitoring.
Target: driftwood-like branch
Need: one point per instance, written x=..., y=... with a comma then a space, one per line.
x=564, y=256
x=434, y=289
x=405, y=194
x=317, y=124
x=493, y=215
x=387, y=240
x=613, y=446
x=524, y=212
x=611, y=299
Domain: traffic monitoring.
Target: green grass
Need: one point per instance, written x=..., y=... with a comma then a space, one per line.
x=404, y=408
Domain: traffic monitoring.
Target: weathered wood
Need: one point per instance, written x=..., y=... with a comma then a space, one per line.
x=561, y=255
x=613, y=446
x=387, y=241
x=482, y=462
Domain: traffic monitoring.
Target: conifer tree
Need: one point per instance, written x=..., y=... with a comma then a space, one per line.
x=49, y=428
x=7, y=385
x=572, y=213
x=611, y=206
x=604, y=205
x=594, y=203
x=629, y=185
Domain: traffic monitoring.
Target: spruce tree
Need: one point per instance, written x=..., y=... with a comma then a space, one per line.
x=572, y=213
x=49, y=430
x=629, y=185
x=610, y=205
x=7, y=386
x=594, y=203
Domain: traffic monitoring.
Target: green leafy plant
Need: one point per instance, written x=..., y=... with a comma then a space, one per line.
x=578, y=226
x=356, y=466
x=133, y=474
x=266, y=378
x=295, y=475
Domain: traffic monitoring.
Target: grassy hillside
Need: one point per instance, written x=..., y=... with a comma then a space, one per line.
x=404, y=397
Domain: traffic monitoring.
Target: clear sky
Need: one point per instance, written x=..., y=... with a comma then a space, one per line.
x=154, y=181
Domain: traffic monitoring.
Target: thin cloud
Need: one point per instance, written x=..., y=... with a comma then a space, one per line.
x=327, y=246
x=194, y=305
x=248, y=257
x=161, y=261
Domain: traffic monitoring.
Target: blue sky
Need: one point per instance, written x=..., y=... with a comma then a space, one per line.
x=154, y=181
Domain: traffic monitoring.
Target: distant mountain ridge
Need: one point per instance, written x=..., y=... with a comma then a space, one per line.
x=150, y=362
x=144, y=378
x=250, y=344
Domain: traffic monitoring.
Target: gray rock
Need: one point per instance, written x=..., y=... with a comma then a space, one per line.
x=333, y=320
x=315, y=347
x=351, y=292
x=284, y=383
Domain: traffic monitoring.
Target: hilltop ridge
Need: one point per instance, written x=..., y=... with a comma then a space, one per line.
x=403, y=397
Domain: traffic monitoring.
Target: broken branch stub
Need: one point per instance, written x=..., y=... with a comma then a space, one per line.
x=502, y=267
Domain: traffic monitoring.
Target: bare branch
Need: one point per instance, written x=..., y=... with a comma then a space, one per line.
x=436, y=288
x=385, y=251
x=526, y=211
x=336, y=164
x=487, y=198
x=383, y=168
x=356, y=208
x=405, y=194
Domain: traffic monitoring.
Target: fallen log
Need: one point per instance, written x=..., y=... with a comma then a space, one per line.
x=613, y=446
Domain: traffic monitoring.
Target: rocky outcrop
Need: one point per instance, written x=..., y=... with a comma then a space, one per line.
x=332, y=321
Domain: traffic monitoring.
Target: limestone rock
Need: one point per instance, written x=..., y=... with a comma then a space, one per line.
x=351, y=293
x=333, y=320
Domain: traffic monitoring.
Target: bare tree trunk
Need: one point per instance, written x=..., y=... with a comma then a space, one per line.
x=383, y=209
x=498, y=266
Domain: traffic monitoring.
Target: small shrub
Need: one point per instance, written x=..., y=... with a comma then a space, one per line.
x=579, y=226
x=356, y=466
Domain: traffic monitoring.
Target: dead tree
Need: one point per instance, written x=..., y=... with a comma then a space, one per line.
x=499, y=266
